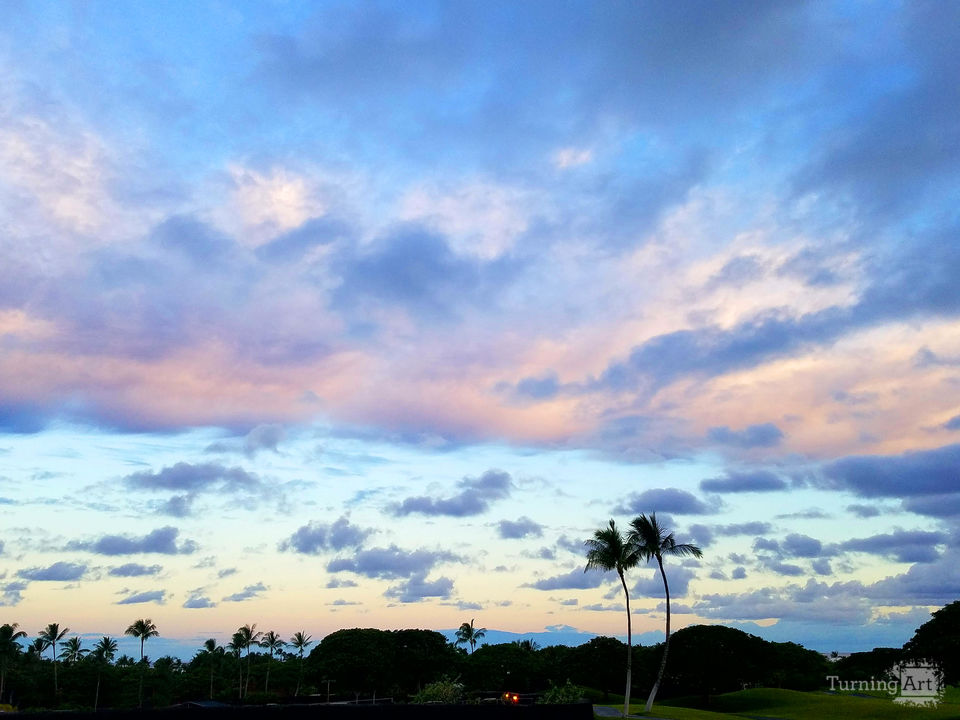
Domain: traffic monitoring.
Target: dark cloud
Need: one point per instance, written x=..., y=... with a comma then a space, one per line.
x=162, y=541
x=390, y=562
x=739, y=573
x=134, y=570
x=198, y=601
x=803, y=546
x=416, y=269
x=154, y=596
x=59, y=572
x=315, y=538
x=248, y=593
x=752, y=436
x=808, y=514
x=539, y=388
x=418, y=587
x=701, y=535
x=923, y=472
x=664, y=500
x=782, y=568
x=738, y=482
x=337, y=583
x=652, y=586
x=197, y=477
x=576, y=579
x=178, y=506
x=953, y=423
x=474, y=498
x=11, y=593
x=863, y=511
x=755, y=527
x=908, y=546
x=940, y=506
x=768, y=544
x=520, y=528
x=821, y=566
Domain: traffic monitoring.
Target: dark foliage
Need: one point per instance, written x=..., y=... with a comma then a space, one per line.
x=938, y=639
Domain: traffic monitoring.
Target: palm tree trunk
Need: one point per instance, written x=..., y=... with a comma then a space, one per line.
x=626, y=694
x=299, y=676
x=666, y=642
x=246, y=686
x=96, y=695
x=266, y=683
x=211, y=678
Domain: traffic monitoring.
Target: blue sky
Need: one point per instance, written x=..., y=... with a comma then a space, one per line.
x=323, y=315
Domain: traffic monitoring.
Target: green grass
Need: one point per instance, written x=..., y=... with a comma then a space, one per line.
x=793, y=705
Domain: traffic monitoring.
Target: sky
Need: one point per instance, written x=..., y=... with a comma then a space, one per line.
x=321, y=315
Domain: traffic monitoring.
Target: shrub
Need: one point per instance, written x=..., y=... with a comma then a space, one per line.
x=445, y=691
x=561, y=694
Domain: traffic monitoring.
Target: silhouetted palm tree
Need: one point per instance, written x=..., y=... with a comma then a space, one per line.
x=609, y=550
x=248, y=636
x=73, y=650
x=49, y=637
x=235, y=646
x=272, y=642
x=469, y=634
x=143, y=629
x=213, y=653
x=103, y=653
x=653, y=542
x=9, y=649
x=300, y=641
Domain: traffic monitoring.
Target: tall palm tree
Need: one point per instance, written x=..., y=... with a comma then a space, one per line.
x=103, y=653
x=9, y=649
x=73, y=650
x=212, y=652
x=49, y=637
x=143, y=629
x=248, y=635
x=653, y=541
x=272, y=642
x=469, y=634
x=609, y=550
x=235, y=646
x=300, y=641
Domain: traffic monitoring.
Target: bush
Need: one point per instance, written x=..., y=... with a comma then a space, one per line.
x=561, y=694
x=445, y=690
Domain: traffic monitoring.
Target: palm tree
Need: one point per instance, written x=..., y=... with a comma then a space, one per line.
x=272, y=642
x=235, y=646
x=469, y=634
x=213, y=652
x=248, y=636
x=9, y=649
x=103, y=653
x=609, y=550
x=72, y=650
x=49, y=637
x=143, y=629
x=300, y=642
x=654, y=541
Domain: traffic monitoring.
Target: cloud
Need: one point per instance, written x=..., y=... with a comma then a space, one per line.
x=58, y=572
x=337, y=583
x=907, y=546
x=664, y=500
x=134, y=570
x=315, y=538
x=473, y=499
x=739, y=573
x=520, y=528
x=178, y=506
x=798, y=545
x=738, y=482
x=753, y=436
x=755, y=527
x=921, y=472
x=652, y=586
x=576, y=579
x=418, y=587
x=198, y=601
x=248, y=593
x=946, y=505
x=390, y=562
x=162, y=541
x=196, y=477
x=11, y=593
x=154, y=596
x=863, y=511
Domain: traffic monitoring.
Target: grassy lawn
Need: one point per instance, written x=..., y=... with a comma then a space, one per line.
x=793, y=705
